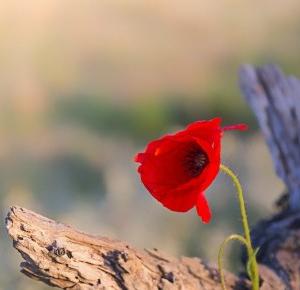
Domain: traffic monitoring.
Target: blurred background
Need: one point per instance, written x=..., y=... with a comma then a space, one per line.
x=84, y=85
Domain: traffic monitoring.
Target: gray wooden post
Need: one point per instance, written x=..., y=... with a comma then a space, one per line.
x=275, y=100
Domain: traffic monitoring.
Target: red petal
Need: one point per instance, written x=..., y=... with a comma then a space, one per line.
x=205, y=125
x=203, y=209
x=240, y=127
x=210, y=131
x=139, y=157
x=180, y=200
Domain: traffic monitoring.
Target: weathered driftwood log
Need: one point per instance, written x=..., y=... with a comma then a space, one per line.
x=61, y=256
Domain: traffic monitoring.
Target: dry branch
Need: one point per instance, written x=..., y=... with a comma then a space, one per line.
x=61, y=256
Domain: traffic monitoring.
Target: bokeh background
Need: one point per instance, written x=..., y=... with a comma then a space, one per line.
x=84, y=85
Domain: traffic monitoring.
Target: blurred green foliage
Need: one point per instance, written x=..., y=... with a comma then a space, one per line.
x=150, y=118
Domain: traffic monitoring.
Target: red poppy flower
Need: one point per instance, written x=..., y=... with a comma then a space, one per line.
x=176, y=169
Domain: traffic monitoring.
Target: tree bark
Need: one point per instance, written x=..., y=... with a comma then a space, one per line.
x=61, y=256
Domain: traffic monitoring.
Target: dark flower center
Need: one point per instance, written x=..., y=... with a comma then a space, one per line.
x=195, y=160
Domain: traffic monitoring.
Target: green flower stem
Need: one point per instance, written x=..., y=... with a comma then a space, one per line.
x=254, y=275
x=221, y=254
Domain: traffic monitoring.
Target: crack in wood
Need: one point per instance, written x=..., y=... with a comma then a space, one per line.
x=112, y=260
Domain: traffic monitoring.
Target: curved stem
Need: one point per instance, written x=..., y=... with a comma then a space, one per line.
x=251, y=253
x=221, y=253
